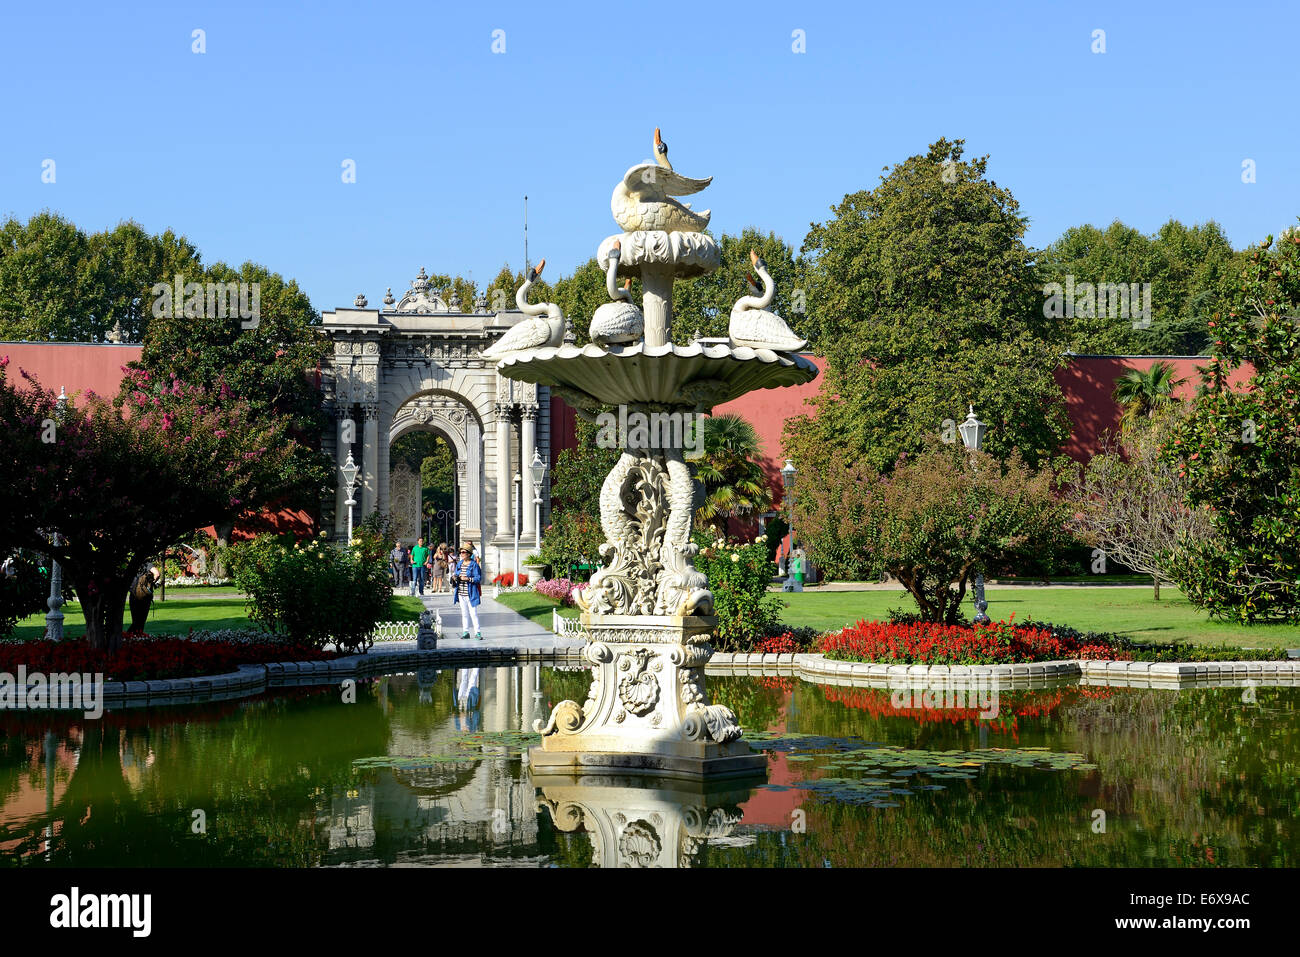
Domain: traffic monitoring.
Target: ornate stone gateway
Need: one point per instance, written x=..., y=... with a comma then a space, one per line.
x=415, y=364
x=406, y=492
x=648, y=612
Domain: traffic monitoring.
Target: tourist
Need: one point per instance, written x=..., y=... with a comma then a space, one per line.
x=439, y=571
x=467, y=579
x=395, y=564
x=419, y=566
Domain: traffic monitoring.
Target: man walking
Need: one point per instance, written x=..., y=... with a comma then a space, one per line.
x=395, y=564
x=419, y=558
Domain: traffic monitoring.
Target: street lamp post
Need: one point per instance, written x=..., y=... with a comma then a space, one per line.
x=349, y=471
x=54, y=617
x=972, y=436
x=538, y=470
x=788, y=476
x=518, y=487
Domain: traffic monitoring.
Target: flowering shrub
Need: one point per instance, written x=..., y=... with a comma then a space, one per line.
x=182, y=580
x=739, y=574
x=927, y=643
x=314, y=593
x=559, y=590
x=148, y=658
x=572, y=537
x=507, y=579
x=788, y=641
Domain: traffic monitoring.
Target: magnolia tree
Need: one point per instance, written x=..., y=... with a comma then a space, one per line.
x=1239, y=451
x=938, y=518
x=1130, y=504
x=118, y=484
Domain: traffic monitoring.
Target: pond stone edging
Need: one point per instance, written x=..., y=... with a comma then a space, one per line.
x=1174, y=674
x=253, y=679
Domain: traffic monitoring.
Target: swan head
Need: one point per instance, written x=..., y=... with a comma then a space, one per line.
x=536, y=271
x=661, y=151
x=616, y=251
x=757, y=260
x=752, y=283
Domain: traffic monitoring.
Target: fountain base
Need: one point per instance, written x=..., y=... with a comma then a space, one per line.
x=646, y=711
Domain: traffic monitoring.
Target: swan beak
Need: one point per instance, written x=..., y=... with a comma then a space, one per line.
x=537, y=270
x=749, y=278
x=627, y=284
x=753, y=257
x=658, y=140
x=616, y=251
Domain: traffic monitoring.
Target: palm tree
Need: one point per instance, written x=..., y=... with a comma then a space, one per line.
x=734, y=483
x=1141, y=394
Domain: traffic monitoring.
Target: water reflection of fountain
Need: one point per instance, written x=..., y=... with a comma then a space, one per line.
x=639, y=821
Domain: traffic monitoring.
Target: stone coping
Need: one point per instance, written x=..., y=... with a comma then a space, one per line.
x=254, y=679
x=1173, y=674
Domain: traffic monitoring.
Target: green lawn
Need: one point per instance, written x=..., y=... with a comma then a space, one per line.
x=1129, y=611
x=177, y=617
x=534, y=607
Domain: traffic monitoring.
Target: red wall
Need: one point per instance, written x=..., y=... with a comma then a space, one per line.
x=81, y=368
x=74, y=366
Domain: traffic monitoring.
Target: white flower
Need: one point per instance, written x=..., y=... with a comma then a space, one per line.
x=735, y=557
x=761, y=538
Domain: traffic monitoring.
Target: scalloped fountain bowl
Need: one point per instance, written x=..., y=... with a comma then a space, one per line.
x=699, y=375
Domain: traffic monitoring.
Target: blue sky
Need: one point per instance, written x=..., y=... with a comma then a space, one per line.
x=241, y=148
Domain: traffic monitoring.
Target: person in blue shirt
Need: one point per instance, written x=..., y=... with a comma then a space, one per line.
x=467, y=585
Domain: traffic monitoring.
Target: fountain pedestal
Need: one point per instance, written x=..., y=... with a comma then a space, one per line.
x=647, y=711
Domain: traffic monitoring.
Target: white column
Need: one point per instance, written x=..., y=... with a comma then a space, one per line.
x=470, y=475
x=341, y=448
x=505, y=519
x=370, y=460
x=528, y=442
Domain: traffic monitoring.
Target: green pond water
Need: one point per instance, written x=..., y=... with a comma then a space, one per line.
x=431, y=769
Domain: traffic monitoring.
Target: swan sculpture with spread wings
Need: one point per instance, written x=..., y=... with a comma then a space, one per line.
x=644, y=199
x=620, y=321
x=752, y=325
x=546, y=328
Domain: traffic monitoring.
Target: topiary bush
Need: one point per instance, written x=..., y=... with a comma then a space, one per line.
x=316, y=592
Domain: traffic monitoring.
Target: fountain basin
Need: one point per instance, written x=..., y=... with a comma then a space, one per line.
x=696, y=375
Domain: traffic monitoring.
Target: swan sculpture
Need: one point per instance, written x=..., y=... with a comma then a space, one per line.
x=752, y=325
x=644, y=199
x=619, y=321
x=545, y=329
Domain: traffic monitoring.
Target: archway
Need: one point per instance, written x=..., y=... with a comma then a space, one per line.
x=422, y=486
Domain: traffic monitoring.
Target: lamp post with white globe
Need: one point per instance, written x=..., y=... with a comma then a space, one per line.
x=538, y=472
x=972, y=436
x=349, y=472
x=788, y=476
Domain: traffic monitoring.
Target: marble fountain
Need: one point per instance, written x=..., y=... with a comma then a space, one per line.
x=647, y=613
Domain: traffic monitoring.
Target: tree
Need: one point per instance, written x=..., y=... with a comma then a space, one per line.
x=734, y=483
x=1189, y=273
x=1141, y=393
x=925, y=300
x=1130, y=503
x=940, y=515
x=119, y=486
x=270, y=366
x=57, y=283
x=1239, y=451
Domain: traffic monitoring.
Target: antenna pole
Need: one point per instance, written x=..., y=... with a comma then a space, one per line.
x=527, y=264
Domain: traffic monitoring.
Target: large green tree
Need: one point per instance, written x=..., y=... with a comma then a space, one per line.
x=58, y=283
x=1239, y=449
x=925, y=300
x=1191, y=272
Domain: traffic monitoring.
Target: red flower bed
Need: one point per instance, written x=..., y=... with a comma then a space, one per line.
x=782, y=644
x=507, y=579
x=145, y=659
x=925, y=643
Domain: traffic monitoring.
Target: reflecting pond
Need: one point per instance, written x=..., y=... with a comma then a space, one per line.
x=431, y=769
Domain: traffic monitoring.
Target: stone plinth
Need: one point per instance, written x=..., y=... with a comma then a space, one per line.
x=646, y=711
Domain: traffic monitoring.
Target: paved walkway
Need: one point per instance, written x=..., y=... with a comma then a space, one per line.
x=502, y=628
